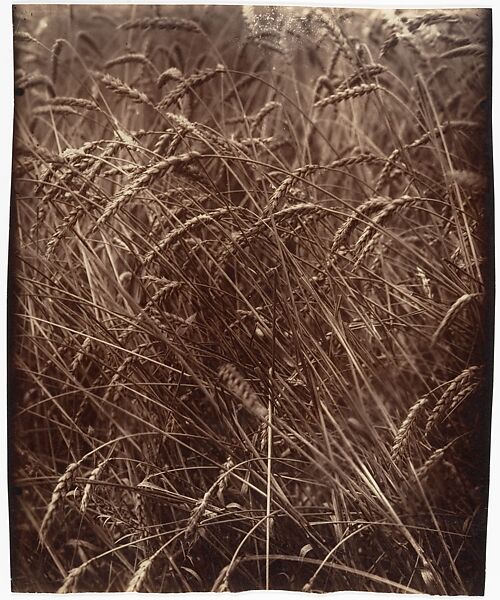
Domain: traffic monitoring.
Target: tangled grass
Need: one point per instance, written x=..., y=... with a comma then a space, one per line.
x=251, y=300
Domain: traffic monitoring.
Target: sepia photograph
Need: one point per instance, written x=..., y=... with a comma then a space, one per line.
x=250, y=299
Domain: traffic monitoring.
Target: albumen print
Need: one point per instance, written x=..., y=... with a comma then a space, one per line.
x=250, y=299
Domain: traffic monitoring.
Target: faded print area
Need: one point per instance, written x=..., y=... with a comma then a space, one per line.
x=250, y=299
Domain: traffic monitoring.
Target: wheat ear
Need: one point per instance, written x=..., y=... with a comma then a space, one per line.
x=457, y=390
x=72, y=577
x=24, y=36
x=171, y=74
x=354, y=92
x=123, y=89
x=165, y=23
x=188, y=84
x=54, y=57
x=58, y=495
x=242, y=390
x=468, y=50
x=174, y=235
x=402, y=436
x=87, y=490
x=364, y=210
x=136, y=58
x=450, y=315
x=434, y=458
x=140, y=181
x=135, y=584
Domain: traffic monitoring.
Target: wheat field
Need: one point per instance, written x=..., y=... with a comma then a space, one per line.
x=250, y=299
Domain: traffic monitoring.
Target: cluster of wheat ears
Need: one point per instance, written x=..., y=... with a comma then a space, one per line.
x=250, y=300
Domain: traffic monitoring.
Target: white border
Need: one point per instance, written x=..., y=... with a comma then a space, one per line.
x=6, y=114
